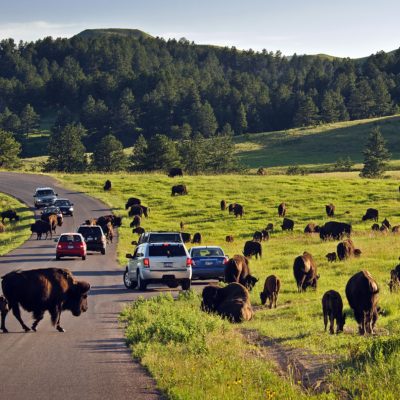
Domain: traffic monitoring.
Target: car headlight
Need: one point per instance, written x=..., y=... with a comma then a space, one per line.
x=71, y=209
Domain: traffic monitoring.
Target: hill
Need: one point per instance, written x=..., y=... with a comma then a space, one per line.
x=95, y=33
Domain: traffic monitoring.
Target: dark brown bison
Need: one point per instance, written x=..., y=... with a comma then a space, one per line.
x=175, y=172
x=238, y=210
x=261, y=171
x=396, y=229
x=384, y=229
x=287, y=224
x=265, y=235
x=346, y=249
x=197, y=238
x=362, y=295
x=146, y=211
x=41, y=227
x=257, y=236
x=132, y=201
x=332, y=308
x=331, y=257
x=229, y=239
x=40, y=290
x=334, y=230
x=107, y=185
x=237, y=270
x=371, y=213
x=386, y=223
x=139, y=230
x=305, y=272
x=115, y=220
x=375, y=227
x=186, y=237
x=11, y=215
x=231, y=207
x=311, y=228
x=269, y=227
x=272, y=286
x=231, y=302
x=136, y=210
x=252, y=248
x=223, y=205
x=394, y=283
x=136, y=221
x=282, y=209
x=3, y=311
x=179, y=189
x=330, y=210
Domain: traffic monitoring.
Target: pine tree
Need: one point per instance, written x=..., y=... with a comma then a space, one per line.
x=383, y=100
x=361, y=103
x=240, y=123
x=29, y=120
x=108, y=155
x=137, y=159
x=203, y=119
x=375, y=155
x=307, y=112
x=9, y=150
x=161, y=154
x=333, y=108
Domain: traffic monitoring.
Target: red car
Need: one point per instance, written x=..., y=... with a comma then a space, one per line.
x=71, y=245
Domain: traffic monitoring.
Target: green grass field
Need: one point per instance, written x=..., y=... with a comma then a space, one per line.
x=297, y=322
x=15, y=233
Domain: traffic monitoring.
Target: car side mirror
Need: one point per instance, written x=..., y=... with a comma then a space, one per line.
x=128, y=255
x=56, y=194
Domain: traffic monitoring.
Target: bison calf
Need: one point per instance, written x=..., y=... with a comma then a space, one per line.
x=107, y=185
x=272, y=286
x=331, y=257
x=332, y=308
x=229, y=239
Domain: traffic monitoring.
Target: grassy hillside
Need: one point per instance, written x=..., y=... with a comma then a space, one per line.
x=297, y=322
x=315, y=145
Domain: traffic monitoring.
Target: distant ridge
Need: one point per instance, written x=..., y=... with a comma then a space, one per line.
x=132, y=33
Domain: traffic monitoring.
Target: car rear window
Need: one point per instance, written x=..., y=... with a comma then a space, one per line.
x=70, y=238
x=164, y=237
x=207, y=253
x=166, y=251
x=62, y=203
x=89, y=230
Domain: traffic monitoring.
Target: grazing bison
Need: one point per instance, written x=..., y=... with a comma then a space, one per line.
x=238, y=210
x=4, y=311
x=362, y=295
x=371, y=213
x=330, y=210
x=11, y=215
x=136, y=210
x=40, y=290
x=332, y=308
x=396, y=229
x=282, y=209
x=287, y=224
x=346, y=249
x=2, y=228
x=257, y=236
x=265, y=235
x=331, y=257
x=139, y=230
x=394, y=283
x=311, y=228
x=269, y=227
x=272, y=286
x=41, y=227
x=179, y=189
x=384, y=229
x=223, y=205
x=197, y=238
x=107, y=185
x=386, y=223
x=231, y=302
x=186, y=237
x=132, y=201
x=305, y=272
x=231, y=207
x=237, y=270
x=375, y=227
x=261, y=171
x=229, y=239
x=175, y=172
x=252, y=248
x=135, y=222
x=334, y=230
x=146, y=211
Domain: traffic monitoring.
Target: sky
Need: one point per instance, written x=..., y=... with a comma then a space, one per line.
x=352, y=28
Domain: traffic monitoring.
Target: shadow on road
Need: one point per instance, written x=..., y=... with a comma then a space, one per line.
x=98, y=273
x=105, y=346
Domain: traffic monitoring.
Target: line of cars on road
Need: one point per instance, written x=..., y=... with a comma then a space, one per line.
x=162, y=257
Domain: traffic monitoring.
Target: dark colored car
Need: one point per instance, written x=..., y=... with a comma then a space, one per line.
x=66, y=207
x=208, y=262
x=94, y=238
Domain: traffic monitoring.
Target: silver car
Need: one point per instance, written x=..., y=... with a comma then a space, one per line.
x=165, y=263
x=44, y=197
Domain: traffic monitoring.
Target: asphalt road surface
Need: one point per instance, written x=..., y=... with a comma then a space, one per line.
x=90, y=360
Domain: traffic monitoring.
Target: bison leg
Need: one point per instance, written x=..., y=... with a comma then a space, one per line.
x=325, y=320
x=17, y=315
x=275, y=299
x=271, y=300
x=3, y=321
x=38, y=315
x=331, y=325
x=56, y=317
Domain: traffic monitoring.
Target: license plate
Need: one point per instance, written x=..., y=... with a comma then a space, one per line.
x=168, y=264
x=89, y=239
x=209, y=263
x=70, y=247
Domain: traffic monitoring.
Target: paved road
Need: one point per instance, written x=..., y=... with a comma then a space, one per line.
x=90, y=361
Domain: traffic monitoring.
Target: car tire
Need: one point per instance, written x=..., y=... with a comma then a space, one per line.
x=103, y=251
x=83, y=258
x=58, y=258
x=127, y=282
x=141, y=283
x=186, y=284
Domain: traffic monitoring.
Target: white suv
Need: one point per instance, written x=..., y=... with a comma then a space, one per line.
x=167, y=263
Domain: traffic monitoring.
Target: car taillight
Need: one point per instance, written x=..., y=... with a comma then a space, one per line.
x=225, y=260
x=146, y=262
x=81, y=245
x=189, y=262
x=59, y=246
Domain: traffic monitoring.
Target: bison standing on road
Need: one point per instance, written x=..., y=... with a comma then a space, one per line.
x=305, y=272
x=334, y=230
x=41, y=227
x=362, y=295
x=10, y=215
x=107, y=185
x=287, y=224
x=179, y=189
x=237, y=270
x=175, y=172
x=330, y=210
x=332, y=308
x=371, y=213
x=282, y=209
x=252, y=248
x=139, y=230
x=132, y=201
x=40, y=290
x=346, y=249
x=272, y=286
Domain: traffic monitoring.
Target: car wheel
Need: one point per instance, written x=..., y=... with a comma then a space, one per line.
x=127, y=282
x=186, y=284
x=142, y=284
x=83, y=258
x=103, y=251
x=58, y=258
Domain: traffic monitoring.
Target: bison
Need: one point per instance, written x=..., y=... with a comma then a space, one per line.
x=346, y=249
x=107, y=185
x=135, y=222
x=231, y=302
x=41, y=227
x=386, y=223
x=175, y=172
x=186, y=237
x=305, y=272
x=261, y=171
x=265, y=235
x=40, y=290
x=257, y=236
x=375, y=227
x=229, y=238
x=272, y=286
x=371, y=213
x=394, y=283
x=132, y=201
x=330, y=210
x=269, y=227
x=311, y=228
x=331, y=257
x=362, y=295
x=136, y=210
x=238, y=210
x=334, y=230
x=231, y=207
x=237, y=270
x=11, y=215
x=287, y=224
x=139, y=230
x=282, y=210
x=197, y=238
x=182, y=225
x=332, y=308
x=4, y=311
x=223, y=205
x=252, y=248
x=179, y=189
x=396, y=229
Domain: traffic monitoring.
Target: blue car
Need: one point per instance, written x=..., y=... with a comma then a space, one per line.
x=208, y=262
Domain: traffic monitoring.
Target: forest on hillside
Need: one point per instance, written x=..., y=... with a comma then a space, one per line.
x=129, y=86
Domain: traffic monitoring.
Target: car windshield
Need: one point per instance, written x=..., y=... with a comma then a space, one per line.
x=70, y=238
x=217, y=252
x=62, y=203
x=44, y=193
x=90, y=230
x=167, y=250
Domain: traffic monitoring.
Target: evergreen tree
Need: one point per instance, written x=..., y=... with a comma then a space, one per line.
x=307, y=112
x=66, y=150
x=137, y=159
x=193, y=154
x=9, y=150
x=29, y=120
x=203, y=119
x=383, y=100
x=333, y=108
x=109, y=155
x=361, y=102
x=375, y=155
x=240, y=123
x=9, y=121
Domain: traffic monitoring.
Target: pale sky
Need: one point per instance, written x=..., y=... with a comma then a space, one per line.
x=352, y=28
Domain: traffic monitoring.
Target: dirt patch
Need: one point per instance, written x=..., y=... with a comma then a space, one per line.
x=303, y=368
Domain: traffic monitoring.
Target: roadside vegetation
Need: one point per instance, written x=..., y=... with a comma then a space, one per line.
x=363, y=362
x=16, y=233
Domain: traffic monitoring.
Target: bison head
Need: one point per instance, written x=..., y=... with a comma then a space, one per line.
x=263, y=297
x=249, y=282
x=77, y=298
x=210, y=298
x=117, y=221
